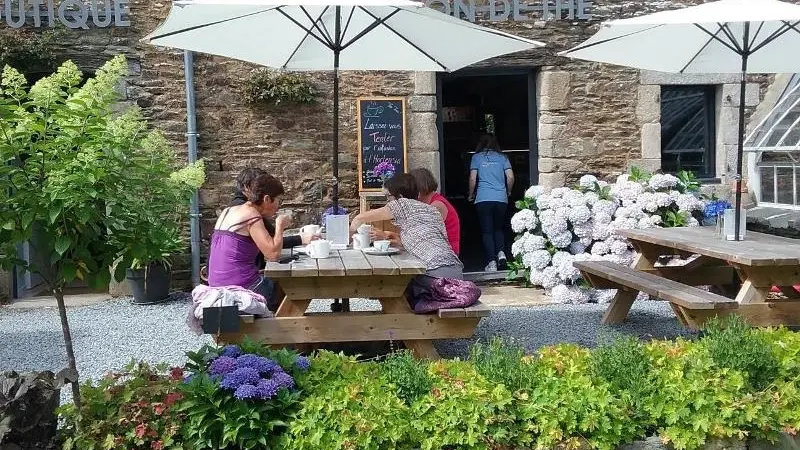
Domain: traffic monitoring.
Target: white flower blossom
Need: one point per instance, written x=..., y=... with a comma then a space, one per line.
x=583, y=229
x=601, y=231
x=562, y=212
x=600, y=248
x=559, y=192
x=561, y=240
x=663, y=181
x=534, y=242
x=605, y=207
x=524, y=220
x=549, y=277
x=535, y=191
x=591, y=198
x=655, y=220
x=580, y=215
x=693, y=222
x=576, y=248
x=554, y=226
x=688, y=202
x=587, y=181
x=537, y=259
x=558, y=203
x=602, y=218
x=618, y=247
x=623, y=178
x=586, y=241
x=603, y=296
x=644, y=223
x=543, y=201
x=571, y=294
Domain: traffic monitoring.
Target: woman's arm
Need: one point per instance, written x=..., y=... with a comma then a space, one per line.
x=509, y=180
x=441, y=208
x=269, y=245
x=473, y=180
x=373, y=215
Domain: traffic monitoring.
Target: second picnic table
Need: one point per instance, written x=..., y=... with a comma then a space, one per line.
x=353, y=274
x=740, y=272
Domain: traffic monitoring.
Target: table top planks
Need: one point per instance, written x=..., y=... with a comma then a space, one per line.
x=344, y=263
x=756, y=249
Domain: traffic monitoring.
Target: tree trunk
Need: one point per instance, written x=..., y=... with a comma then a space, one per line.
x=58, y=293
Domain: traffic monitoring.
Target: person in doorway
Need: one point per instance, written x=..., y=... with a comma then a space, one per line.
x=240, y=234
x=421, y=233
x=428, y=187
x=490, y=183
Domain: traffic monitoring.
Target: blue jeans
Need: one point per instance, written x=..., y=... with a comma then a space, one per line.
x=492, y=217
x=266, y=287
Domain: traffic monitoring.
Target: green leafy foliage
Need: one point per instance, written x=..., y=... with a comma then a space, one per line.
x=131, y=409
x=272, y=87
x=639, y=174
x=28, y=51
x=504, y=361
x=733, y=344
x=409, y=375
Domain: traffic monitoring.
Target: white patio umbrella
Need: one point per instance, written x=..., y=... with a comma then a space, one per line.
x=725, y=36
x=400, y=35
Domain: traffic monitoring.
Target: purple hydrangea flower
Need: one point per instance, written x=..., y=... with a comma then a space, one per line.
x=238, y=377
x=267, y=389
x=231, y=350
x=246, y=391
x=302, y=363
x=283, y=379
x=222, y=365
x=263, y=365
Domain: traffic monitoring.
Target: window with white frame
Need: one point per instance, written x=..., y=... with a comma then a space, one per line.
x=775, y=141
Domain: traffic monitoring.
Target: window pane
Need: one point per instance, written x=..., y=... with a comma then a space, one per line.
x=767, y=184
x=785, y=186
x=687, y=134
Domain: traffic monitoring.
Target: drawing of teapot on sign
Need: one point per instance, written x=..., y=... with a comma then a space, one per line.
x=373, y=111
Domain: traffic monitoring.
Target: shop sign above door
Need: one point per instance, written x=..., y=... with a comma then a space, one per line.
x=516, y=10
x=70, y=13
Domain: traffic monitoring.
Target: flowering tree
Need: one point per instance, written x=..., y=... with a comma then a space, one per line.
x=556, y=227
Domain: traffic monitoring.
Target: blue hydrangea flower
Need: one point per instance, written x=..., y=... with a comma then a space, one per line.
x=232, y=351
x=302, y=363
x=267, y=389
x=222, y=365
x=188, y=378
x=283, y=379
x=238, y=377
x=263, y=365
x=246, y=391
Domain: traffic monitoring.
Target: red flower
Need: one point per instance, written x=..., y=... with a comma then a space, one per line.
x=171, y=398
x=176, y=373
x=141, y=430
x=156, y=445
x=159, y=408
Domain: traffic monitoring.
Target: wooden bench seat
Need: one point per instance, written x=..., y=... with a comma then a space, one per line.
x=476, y=310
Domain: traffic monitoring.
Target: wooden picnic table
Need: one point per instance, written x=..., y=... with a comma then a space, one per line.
x=353, y=274
x=741, y=274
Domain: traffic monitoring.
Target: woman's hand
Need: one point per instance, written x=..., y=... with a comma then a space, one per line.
x=306, y=238
x=283, y=221
x=377, y=235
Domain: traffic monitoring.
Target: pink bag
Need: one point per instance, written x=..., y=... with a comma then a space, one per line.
x=448, y=293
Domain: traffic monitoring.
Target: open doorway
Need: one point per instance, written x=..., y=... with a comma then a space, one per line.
x=473, y=103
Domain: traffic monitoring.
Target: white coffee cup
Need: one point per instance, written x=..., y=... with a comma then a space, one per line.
x=319, y=249
x=365, y=231
x=359, y=241
x=382, y=246
x=311, y=229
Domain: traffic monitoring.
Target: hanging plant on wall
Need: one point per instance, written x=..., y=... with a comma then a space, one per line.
x=28, y=51
x=265, y=87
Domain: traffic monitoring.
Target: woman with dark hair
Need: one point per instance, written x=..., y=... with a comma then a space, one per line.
x=421, y=232
x=490, y=172
x=427, y=194
x=239, y=235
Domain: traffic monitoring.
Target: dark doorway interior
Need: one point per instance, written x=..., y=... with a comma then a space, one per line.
x=470, y=106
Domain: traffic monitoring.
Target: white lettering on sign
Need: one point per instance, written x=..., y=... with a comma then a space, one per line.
x=71, y=13
x=516, y=10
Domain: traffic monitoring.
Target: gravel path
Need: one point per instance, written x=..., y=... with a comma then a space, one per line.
x=108, y=335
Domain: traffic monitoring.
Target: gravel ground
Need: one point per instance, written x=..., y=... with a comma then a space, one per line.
x=108, y=335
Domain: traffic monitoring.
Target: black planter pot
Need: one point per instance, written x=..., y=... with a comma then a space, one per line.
x=151, y=285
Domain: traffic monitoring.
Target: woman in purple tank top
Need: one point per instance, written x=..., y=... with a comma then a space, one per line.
x=239, y=235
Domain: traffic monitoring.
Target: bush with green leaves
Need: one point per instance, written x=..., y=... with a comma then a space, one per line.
x=409, y=375
x=269, y=87
x=504, y=360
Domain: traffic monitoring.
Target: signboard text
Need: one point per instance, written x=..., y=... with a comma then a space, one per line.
x=516, y=10
x=71, y=13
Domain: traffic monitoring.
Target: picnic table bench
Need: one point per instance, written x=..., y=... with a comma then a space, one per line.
x=353, y=274
x=741, y=272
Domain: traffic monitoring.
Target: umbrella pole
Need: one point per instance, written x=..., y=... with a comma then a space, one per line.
x=336, y=50
x=740, y=146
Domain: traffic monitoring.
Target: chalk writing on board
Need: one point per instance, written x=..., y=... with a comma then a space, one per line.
x=381, y=137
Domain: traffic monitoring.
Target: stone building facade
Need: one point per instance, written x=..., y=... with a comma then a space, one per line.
x=589, y=118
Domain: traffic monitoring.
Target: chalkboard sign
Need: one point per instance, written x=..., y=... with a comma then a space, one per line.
x=381, y=137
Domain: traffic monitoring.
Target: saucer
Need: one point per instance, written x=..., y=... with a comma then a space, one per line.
x=375, y=252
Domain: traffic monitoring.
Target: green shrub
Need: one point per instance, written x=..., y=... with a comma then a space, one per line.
x=130, y=409
x=733, y=344
x=272, y=87
x=349, y=405
x=409, y=375
x=503, y=361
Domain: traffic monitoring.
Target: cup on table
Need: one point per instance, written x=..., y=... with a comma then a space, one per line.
x=359, y=241
x=382, y=246
x=319, y=249
x=365, y=231
x=311, y=229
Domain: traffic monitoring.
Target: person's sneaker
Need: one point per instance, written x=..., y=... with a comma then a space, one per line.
x=502, y=262
x=491, y=267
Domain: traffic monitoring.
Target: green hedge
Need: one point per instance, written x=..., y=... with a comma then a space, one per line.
x=735, y=382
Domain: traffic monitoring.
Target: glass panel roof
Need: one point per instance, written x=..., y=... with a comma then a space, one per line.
x=780, y=130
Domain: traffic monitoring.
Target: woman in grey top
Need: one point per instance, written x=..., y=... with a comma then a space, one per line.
x=422, y=233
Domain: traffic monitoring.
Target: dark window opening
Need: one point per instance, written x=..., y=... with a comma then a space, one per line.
x=688, y=140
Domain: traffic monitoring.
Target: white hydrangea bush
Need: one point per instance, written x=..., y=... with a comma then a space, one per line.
x=556, y=227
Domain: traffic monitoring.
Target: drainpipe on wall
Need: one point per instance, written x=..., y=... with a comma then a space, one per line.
x=191, y=137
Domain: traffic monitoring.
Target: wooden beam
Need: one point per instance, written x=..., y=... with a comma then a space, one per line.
x=373, y=286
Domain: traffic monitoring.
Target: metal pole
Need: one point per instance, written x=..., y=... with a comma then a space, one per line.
x=740, y=147
x=191, y=137
x=336, y=50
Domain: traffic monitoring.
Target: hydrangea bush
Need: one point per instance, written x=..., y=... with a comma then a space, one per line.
x=556, y=227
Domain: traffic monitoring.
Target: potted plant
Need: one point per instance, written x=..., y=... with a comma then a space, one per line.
x=158, y=190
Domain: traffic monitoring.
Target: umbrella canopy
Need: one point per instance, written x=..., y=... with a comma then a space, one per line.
x=725, y=36
x=335, y=35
